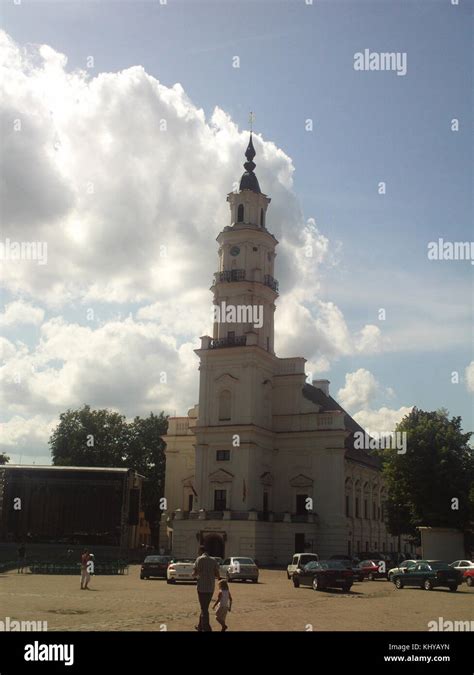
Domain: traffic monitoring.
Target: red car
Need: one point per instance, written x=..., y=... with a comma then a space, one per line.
x=468, y=577
x=372, y=569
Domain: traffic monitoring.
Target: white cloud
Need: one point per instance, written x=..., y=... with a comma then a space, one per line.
x=119, y=365
x=20, y=429
x=382, y=420
x=128, y=209
x=469, y=375
x=20, y=312
x=360, y=389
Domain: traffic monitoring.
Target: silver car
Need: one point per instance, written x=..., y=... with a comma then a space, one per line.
x=239, y=568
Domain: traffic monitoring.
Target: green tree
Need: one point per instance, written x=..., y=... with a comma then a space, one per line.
x=88, y=437
x=432, y=484
x=4, y=459
x=146, y=453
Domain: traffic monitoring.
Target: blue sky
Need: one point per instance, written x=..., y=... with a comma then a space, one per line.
x=296, y=62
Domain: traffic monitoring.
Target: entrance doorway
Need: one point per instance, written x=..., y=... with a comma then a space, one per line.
x=299, y=542
x=214, y=544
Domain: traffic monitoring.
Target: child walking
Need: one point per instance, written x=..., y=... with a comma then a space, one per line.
x=223, y=603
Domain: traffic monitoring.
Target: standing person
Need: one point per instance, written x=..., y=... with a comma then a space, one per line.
x=85, y=576
x=21, y=557
x=206, y=570
x=223, y=603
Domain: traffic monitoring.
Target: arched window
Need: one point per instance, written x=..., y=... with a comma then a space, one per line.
x=225, y=400
x=262, y=218
x=240, y=213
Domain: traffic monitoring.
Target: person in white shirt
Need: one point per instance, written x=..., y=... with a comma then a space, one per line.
x=223, y=604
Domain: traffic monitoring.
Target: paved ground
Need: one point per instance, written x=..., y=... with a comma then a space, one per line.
x=127, y=603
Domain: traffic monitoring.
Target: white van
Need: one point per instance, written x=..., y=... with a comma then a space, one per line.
x=298, y=561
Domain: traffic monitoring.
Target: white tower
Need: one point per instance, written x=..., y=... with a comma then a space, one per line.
x=237, y=364
x=245, y=278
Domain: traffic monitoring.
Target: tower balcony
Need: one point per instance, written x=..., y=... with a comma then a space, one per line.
x=229, y=275
x=268, y=280
x=232, y=341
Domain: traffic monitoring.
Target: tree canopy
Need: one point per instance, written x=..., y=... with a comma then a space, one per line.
x=431, y=484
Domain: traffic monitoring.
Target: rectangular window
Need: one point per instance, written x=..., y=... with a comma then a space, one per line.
x=301, y=504
x=220, y=499
x=190, y=502
x=366, y=511
x=222, y=455
x=357, y=507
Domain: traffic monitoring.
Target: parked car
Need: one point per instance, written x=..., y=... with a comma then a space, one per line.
x=180, y=569
x=358, y=572
x=155, y=566
x=429, y=575
x=352, y=564
x=324, y=574
x=372, y=569
x=298, y=561
x=462, y=565
x=239, y=568
x=406, y=564
x=468, y=576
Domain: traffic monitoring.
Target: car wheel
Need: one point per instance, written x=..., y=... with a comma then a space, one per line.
x=296, y=582
x=398, y=583
x=428, y=585
x=316, y=584
x=470, y=581
x=288, y=575
x=255, y=581
x=346, y=588
x=170, y=581
x=141, y=576
x=453, y=588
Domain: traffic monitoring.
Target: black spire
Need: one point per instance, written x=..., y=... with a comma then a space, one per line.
x=249, y=179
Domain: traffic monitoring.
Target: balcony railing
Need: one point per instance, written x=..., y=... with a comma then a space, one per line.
x=268, y=280
x=215, y=515
x=230, y=275
x=237, y=341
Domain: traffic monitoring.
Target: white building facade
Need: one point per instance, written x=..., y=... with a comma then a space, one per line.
x=265, y=465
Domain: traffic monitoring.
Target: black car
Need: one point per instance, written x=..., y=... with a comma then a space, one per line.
x=324, y=574
x=428, y=575
x=155, y=566
x=351, y=564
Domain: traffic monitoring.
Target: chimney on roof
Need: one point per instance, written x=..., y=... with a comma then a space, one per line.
x=323, y=385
